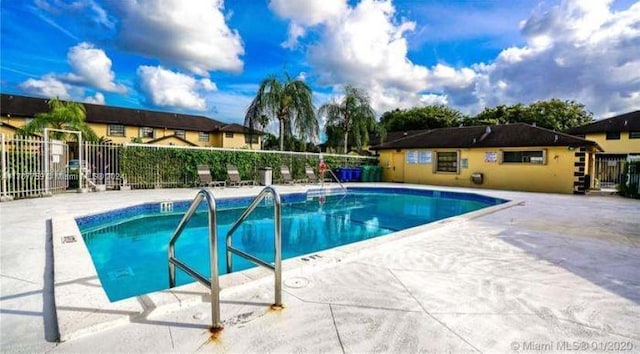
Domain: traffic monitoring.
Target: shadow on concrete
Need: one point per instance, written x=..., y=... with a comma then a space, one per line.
x=50, y=318
x=616, y=270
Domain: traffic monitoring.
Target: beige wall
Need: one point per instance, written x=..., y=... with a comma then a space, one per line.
x=556, y=175
x=237, y=142
x=216, y=139
x=622, y=146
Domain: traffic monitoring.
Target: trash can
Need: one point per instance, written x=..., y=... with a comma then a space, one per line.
x=266, y=176
x=357, y=174
x=377, y=174
x=342, y=174
x=365, y=174
x=349, y=174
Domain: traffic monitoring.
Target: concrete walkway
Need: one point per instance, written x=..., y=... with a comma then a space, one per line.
x=560, y=271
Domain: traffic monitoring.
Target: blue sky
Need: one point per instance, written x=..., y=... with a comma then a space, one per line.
x=208, y=56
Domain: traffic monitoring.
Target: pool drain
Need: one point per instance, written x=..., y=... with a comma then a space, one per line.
x=296, y=283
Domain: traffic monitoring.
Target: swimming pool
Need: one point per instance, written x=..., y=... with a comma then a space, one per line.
x=129, y=246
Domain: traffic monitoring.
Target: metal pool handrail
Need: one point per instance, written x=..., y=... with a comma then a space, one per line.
x=213, y=283
x=277, y=229
x=337, y=180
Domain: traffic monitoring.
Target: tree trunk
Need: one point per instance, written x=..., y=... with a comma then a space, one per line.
x=346, y=141
x=281, y=134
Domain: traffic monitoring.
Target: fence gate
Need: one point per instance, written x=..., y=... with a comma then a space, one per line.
x=24, y=173
x=609, y=170
x=58, y=179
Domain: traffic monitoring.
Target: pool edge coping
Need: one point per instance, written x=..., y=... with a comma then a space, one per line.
x=83, y=308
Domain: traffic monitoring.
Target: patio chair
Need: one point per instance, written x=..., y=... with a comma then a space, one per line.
x=286, y=174
x=311, y=175
x=234, y=177
x=205, y=177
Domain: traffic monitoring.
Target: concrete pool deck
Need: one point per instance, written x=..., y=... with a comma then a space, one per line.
x=559, y=270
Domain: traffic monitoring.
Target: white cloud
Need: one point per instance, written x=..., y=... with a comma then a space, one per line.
x=97, y=13
x=98, y=98
x=48, y=87
x=366, y=47
x=305, y=14
x=191, y=34
x=577, y=50
x=165, y=88
x=207, y=85
x=92, y=67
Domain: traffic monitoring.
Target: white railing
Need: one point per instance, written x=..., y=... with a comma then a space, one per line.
x=23, y=167
x=112, y=166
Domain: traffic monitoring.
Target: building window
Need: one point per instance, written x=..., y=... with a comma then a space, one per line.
x=634, y=135
x=447, y=161
x=146, y=132
x=180, y=133
x=613, y=135
x=250, y=139
x=533, y=157
x=228, y=135
x=115, y=130
x=203, y=136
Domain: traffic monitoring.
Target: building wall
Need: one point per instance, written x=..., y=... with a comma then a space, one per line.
x=556, y=175
x=622, y=146
x=215, y=138
x=237, y=142
x=16, y=122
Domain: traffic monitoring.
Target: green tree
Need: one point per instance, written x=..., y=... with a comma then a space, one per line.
x=353, y=115
x=553, y=114
x=61, y=115
x=559, y=115
x=288, y=101
x=427, y=117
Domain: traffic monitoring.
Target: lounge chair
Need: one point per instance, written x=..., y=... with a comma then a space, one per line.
x=234, y=177
x=311, y=175
x=205, y=177
x=286, y=174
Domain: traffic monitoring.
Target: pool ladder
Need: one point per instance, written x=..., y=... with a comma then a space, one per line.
x=213, y=282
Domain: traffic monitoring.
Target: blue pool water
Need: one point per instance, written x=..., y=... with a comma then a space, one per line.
x=129, y=246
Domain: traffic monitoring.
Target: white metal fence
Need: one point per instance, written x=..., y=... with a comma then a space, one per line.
x=163, y=166
x=111, y=166
x=23, y=170
x=609, y=170
x=102, y=163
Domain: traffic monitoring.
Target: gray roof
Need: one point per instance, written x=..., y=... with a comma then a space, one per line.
x=27, y=107
x=504, y=135
x=620, y=123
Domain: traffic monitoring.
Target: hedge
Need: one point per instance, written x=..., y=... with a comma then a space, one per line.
x=149, y=167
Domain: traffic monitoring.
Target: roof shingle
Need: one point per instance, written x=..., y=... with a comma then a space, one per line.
x=621, y=123
x=504, y=135
x=27, y=107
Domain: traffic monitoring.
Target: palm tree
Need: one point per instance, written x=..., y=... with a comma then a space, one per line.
x=352, y=115
x=289, y=102
x=62, y=115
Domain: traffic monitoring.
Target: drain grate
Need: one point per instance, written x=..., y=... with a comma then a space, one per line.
x=69, y=239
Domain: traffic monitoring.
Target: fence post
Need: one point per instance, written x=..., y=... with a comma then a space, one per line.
x=5, y=196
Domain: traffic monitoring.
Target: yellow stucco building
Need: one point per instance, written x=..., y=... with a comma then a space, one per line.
x=124, y=125
x=619, y=137
x=616, y=135
x=511, y=156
